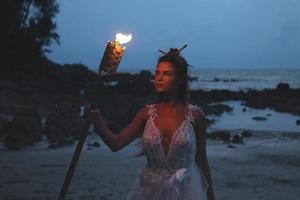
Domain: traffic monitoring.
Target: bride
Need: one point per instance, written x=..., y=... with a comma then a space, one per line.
x=173, y=139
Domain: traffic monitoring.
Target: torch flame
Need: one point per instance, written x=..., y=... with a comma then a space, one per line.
x=122, y=38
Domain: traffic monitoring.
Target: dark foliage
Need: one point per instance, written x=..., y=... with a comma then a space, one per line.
x=25, y=129
x=27, y=29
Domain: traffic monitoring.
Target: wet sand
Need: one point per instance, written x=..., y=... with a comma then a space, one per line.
x=263, y=168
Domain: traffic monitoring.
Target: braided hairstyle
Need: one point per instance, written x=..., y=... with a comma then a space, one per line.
x=181, y=68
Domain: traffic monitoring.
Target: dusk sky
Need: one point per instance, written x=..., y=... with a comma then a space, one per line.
x=219, y=33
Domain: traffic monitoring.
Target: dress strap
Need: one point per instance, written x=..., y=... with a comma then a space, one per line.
x=152, y=111
x=189, y=114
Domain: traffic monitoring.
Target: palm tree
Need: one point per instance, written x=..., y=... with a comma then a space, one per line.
x=28, y=29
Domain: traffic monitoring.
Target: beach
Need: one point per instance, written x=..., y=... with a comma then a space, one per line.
x=263, y=168
x=240, y=68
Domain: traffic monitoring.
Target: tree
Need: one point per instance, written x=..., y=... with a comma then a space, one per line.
x=28, y=29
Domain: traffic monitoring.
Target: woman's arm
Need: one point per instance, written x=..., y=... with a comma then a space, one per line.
x=117, y=141
x=201, y=157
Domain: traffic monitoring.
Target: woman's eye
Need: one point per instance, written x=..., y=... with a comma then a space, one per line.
x=164, y=73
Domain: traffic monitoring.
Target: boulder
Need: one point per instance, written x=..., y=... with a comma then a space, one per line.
x=259, y=118
x=246, y=134
x=237, y=139
x=94, y=144
x=220, y=135
x=216, y=109
x=283, y=87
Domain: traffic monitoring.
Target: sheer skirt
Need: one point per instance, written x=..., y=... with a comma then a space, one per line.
x=193, y=186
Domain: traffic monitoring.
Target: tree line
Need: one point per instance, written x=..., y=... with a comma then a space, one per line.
x=27, y=30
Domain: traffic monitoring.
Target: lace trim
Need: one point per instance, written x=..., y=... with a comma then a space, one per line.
x=160, y=178
x=189, y=114
x=152, y=111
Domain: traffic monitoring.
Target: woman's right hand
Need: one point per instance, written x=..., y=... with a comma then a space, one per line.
x=93, y=116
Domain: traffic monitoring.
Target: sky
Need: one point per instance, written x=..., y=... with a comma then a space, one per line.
x=219, y=33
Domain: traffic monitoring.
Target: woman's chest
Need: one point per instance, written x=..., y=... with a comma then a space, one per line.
x=182, y=136
x=180, y=149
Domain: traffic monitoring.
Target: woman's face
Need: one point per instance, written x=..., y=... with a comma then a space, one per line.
x=165, y=77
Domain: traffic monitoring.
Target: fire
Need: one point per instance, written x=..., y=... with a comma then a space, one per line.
x=122, y=38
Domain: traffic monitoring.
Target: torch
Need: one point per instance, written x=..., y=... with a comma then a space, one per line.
x=110, y=61
x=113, y=54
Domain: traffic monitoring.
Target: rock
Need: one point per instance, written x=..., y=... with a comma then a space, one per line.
x=244, y=109
x=259, y=118
x=191, y=79
x=283, y=87
x=94, y=144
x=216, y=109
x=282, y=99
x=25, y=129
x=237, y=139
x=220, y=135
x=66, y=141
x=246, y=134
x=298, y=122
x=209, y=122
x=231, y=146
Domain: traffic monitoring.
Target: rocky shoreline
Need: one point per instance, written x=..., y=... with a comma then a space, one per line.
x=48, y=99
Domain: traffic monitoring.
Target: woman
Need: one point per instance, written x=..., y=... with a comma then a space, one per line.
x=173, y=139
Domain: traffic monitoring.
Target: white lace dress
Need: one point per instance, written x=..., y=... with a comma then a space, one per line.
x=174, y=176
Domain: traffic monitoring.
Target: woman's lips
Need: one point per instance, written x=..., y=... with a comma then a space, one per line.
x=159, y=85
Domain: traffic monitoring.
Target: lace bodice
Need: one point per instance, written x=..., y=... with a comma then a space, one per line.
x=181, y=153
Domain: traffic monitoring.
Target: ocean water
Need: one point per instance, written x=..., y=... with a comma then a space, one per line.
x=244, y=79
x=238, y=119
x=240, y=79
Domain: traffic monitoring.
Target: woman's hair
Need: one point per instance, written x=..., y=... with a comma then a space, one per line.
x=181, y=68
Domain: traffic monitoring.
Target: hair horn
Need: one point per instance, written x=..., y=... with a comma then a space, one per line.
x=182, y=48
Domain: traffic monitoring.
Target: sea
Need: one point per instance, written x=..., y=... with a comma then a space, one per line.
x=244, y=80
x=240, y=79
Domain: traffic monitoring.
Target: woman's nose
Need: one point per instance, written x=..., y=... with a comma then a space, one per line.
x=160, y=76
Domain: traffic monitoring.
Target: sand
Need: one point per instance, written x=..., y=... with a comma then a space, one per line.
x=263, y=168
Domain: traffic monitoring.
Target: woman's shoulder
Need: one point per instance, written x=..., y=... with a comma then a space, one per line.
x=197, y=112
x=145, y=111
x=196, y=108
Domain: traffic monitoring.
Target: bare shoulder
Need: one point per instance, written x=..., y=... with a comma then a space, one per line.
x=142, y=114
